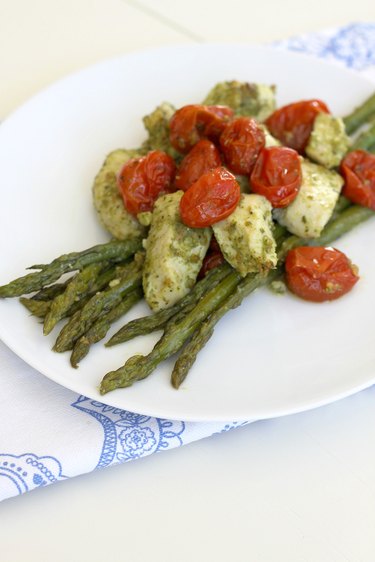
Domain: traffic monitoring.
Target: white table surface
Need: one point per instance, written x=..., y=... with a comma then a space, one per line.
x=295, y=489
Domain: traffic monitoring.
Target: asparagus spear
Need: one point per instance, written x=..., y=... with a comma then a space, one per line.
x=360, y=115
x=342, y=204
x=366, y=140
x=37, y=308
x=139, y=366
x=39, y=305
x=79, y=285
x=130, y=277
x=206, y=329
x=50, y=292
x=100, y=328
x=115, y=251
x=349, y=218
x=157, y=321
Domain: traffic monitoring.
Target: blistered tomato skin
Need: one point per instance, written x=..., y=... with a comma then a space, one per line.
x=213, y=127
x=142, y=180
x=319, y=274
x=277, y=175
x=292, y=124
x=212, y=198
x=241, y=142
x=203, y=157
x=192, y=123
x=358, y=170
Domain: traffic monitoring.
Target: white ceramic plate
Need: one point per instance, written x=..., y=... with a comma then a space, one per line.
x=272, y=356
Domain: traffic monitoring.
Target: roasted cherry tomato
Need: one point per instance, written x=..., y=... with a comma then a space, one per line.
x=192, y=123
x=319, y=274
x=203, y=157
x=277, y=175
x=358, y=169
x=210, y=199
x=214, y=245
x=142, y=180
x=293, y=123
x=241, y=142
x=212, y=259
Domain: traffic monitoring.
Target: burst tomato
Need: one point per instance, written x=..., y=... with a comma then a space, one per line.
x=293, y=123
x=192, y=123
x=203, y=157
x=214, y=245
x=241, y=142
x=358, y=169
x=142, y=180
x=319, y=274
x=213, y=197
x=211, y=260
x=277, y=175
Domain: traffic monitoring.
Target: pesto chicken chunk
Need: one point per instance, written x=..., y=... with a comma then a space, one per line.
x=310, y=211
x=245, y=237
x=246, y=99
x=108, y=201
x=174, y=254
x=328, y=142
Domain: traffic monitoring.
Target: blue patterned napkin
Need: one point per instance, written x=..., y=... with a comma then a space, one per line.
x=49, y=433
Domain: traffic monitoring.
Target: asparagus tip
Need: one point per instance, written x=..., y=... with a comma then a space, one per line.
x=47, y=327
x=60, y=348
x=109, y=382
x=176, y=383
x=125, y=375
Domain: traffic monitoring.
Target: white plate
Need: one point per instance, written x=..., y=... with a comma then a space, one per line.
x=272, y=356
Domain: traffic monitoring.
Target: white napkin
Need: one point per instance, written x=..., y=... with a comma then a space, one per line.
x=49, y=433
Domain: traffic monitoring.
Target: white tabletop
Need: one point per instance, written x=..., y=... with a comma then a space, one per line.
x=295, y=489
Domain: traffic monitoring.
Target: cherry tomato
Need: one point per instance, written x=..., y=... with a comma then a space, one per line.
x=214, y=245
x=358, y=169
x=277, y=175
x=293, y=123
x=142, y=180
x=213, y=197
x=241, y=142
x=319, y=274
x=192, y=123
x=211, y=260
x=203, y=157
